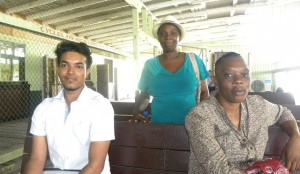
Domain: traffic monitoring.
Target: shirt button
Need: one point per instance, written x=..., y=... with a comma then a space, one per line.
x=243, y=142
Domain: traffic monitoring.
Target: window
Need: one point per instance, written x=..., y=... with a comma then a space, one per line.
x=12, y=61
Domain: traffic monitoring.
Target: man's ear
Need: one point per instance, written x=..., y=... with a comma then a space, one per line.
x=87, y=72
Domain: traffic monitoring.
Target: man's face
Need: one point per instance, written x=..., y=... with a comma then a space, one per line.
x=168, y=37
x=232, y=79
x=72, y=71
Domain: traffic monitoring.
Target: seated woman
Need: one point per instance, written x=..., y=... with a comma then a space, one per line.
x=228, y=132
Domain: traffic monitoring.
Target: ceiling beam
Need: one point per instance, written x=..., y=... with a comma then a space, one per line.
x=85, y=13
x=107, y=23
x=31, y=26
x=175, y=3
x=209, y=38
x=234, y=3
x=115, y=40
x=62, y=9
x=119, y=25
x=190, y=27
x=127, y=42
x=106, y=30
x=82, y=23
x=135, y=3
x=29, y=5
x=166, y=4
x=108, y=37
x=97, y=26
x=143, y=38
x=148, y=39
x=213, y=30
x=109, y=34
x=174, y=11
x=215, y=22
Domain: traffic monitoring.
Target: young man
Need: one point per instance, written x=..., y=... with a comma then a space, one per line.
x=77, y=125
x=228, y=132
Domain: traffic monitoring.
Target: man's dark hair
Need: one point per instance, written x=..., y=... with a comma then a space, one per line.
x=81, y=48
x=226, y=56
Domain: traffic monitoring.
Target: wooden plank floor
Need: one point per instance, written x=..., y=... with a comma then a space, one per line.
x=12, y=136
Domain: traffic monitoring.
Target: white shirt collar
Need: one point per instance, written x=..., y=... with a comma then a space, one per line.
x=83, y=94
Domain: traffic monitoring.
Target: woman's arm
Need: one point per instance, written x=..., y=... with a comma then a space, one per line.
x=141, y=103
x=291, y=153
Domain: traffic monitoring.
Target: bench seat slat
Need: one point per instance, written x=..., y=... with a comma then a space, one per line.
x=130, y=170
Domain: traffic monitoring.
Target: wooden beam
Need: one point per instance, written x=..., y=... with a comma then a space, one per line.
x=63, y=9
x=11, y=155
x=83, y=23
x=84, y=13
x=31, y=26
x=106, y=30
x=28, y=5
x=135, y=3
x=105, y=24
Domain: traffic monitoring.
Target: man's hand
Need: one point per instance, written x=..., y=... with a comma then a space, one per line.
x=291, y=154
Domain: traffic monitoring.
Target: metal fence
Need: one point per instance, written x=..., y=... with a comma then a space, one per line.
x=28, y=71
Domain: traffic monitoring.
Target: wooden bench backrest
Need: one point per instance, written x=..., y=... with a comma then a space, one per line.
x=155, y=148
x=295, y=109
x=282, y=98
x=125, y=108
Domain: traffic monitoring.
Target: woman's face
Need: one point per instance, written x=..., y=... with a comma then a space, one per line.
x=168, y=37
x=232, y=80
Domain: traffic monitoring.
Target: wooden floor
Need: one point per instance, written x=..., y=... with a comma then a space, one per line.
x=12, y=136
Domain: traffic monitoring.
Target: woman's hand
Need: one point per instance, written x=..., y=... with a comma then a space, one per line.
x=291, y=154
x=139, y=118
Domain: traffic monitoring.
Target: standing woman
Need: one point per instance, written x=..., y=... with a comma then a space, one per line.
x=169, y=78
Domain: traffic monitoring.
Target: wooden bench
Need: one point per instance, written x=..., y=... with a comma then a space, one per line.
x=157, y=148
x=164, y=149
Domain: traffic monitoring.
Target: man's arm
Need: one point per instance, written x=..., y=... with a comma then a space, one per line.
x=38, y=156
x=291, y=153
x=204, y=90
x=97, y=154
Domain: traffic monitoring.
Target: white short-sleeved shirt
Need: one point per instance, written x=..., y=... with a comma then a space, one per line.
x=69, y=134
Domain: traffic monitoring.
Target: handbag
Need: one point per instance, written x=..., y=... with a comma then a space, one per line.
x=197, y=73
x=268, y=166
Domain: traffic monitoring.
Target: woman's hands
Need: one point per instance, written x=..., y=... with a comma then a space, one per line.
x=291, y=154
x=139, y=118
